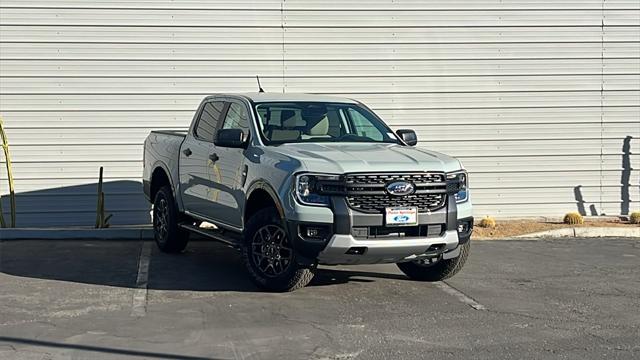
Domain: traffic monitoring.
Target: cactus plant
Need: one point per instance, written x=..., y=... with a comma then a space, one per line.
x=634, y=218
x=102, y=219
x=573, y=218
x=487, y=222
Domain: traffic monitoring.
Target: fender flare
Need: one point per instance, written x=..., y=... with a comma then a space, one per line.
x=263, y=185
x=161, y=165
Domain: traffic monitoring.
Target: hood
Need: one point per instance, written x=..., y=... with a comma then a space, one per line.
x=338, y=158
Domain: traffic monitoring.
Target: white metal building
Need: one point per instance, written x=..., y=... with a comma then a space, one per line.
x=540, y=99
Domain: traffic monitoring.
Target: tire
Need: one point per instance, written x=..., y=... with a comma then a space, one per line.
x=169, y=237
x=269, y=256
x=438, y=271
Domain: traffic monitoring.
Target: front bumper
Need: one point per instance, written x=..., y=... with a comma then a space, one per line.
x=396, y=250
x=351, y=238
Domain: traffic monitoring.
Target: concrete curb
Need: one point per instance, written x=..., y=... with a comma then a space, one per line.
x=584, y=232
x=146, y=233
x=123, y=233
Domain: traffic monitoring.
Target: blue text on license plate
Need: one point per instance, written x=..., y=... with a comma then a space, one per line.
x=401, y=216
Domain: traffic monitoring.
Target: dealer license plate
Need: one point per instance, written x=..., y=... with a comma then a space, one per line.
x=399, y=216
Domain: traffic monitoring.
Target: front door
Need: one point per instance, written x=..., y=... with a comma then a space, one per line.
x=227, y=165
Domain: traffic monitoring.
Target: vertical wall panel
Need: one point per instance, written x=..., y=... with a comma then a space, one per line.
x=540, y=99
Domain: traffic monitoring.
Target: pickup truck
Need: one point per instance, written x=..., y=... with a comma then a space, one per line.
x=297, y=180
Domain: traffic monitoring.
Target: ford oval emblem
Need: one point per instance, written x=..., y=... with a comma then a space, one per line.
x=400, y=188
x=401, y=219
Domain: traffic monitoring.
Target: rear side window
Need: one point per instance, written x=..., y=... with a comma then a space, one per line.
x=209, y=118
x=237, y=118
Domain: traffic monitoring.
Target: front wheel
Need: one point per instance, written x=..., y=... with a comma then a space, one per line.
x=438, y=270
x=269, y=255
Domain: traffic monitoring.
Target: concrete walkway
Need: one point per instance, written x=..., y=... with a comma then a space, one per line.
x=585, y=232
x=146, y=233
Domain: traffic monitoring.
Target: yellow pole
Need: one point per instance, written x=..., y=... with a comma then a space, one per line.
x=7, y=155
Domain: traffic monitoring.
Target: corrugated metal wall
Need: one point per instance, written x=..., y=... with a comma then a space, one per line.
x=540, y=99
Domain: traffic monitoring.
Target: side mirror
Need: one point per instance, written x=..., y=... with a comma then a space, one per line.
x=408, y=136
x=233, y=138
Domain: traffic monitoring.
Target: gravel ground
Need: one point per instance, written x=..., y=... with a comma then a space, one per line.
x=507, y=228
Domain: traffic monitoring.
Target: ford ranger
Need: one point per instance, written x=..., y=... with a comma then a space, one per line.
x=296, y=180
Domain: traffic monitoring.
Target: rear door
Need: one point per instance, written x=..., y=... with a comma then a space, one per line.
x=196, y=174
x=229, y=168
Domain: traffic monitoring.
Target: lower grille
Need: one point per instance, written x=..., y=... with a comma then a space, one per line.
x=382, y=232
x=367, y=192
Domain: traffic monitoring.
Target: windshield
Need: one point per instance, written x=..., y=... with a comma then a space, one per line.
x=295, y=122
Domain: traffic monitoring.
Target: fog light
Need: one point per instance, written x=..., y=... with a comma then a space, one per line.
x=314, y=232
x=463, y=227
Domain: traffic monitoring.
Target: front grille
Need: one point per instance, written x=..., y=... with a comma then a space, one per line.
x=367, y=192
x=377, y=203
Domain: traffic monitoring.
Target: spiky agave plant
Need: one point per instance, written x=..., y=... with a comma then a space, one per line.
x=573, y=218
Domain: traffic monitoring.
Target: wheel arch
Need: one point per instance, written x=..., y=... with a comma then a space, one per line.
x=159, y=178
x=259, y=196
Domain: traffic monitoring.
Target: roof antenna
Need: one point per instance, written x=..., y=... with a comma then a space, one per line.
x=260, y=89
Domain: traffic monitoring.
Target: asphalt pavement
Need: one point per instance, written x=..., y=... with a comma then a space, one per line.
x=100, y=299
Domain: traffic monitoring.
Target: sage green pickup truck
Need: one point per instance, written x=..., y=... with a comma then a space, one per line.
x=296, y=180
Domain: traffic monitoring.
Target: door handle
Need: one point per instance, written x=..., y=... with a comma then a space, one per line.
x=187, y=152
x=214, y=157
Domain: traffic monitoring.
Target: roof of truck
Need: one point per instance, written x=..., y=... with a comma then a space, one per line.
x=281, y=97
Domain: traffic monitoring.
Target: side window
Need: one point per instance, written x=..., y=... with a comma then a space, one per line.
x=237, y=118
x=208, y=122
x=364, y=127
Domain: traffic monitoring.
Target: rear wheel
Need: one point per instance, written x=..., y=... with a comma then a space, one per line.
x=169, y=237
x=436, y=269
x=269, y=255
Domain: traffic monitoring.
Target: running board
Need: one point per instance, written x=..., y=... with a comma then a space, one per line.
x=216, y=235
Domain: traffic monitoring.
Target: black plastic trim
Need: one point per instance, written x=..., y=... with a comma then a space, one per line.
x=263, y=185
x=307, y=250
x=341, y=215
x=146, y=189
x=452, y=213
x=463, y=238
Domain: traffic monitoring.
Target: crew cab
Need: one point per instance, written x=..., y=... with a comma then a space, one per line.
x=297, y=180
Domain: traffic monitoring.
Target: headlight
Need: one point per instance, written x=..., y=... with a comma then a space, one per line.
x=309, y=186
x=463, y=180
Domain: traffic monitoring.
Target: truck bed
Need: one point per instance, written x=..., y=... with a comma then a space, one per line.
x=162, y=148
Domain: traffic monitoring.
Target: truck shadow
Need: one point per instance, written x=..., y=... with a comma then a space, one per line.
x=75, y=205
x=204, y=266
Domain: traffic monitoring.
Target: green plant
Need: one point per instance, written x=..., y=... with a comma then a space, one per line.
x=634, y=218
x=487, y=222
x=573, y=218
